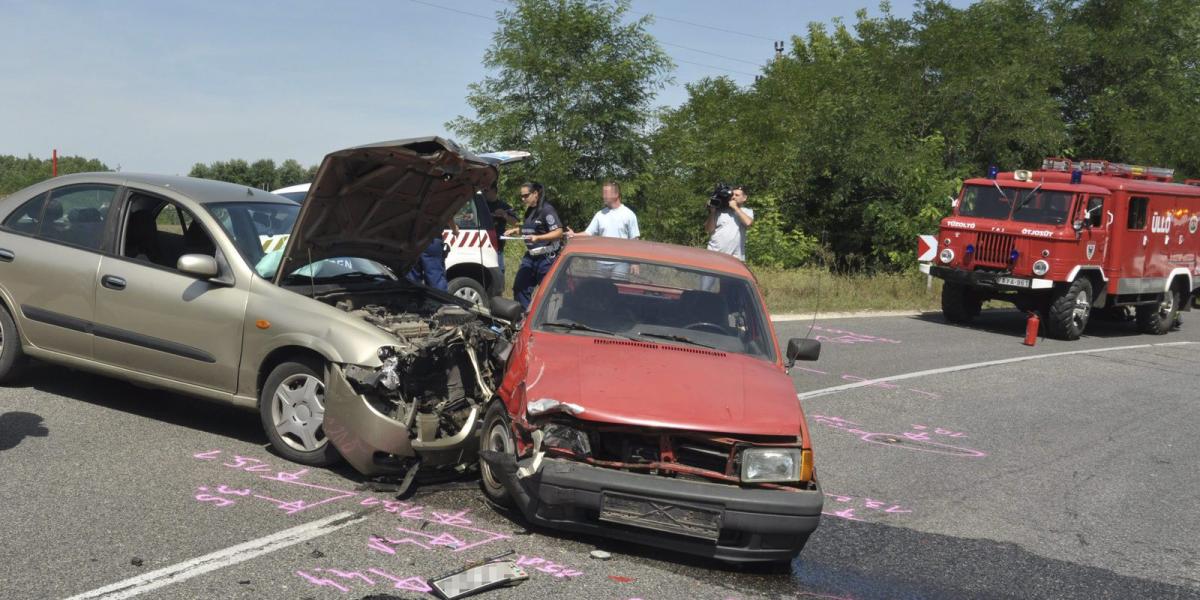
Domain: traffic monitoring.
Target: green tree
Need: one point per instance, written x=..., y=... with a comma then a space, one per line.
x=17, y=173
x=573, y=84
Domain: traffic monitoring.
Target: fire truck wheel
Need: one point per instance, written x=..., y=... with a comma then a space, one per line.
x=959, y=303
x=1069, y=311
x=1157, y=319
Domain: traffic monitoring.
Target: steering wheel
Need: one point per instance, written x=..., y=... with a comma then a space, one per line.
x=706, y=326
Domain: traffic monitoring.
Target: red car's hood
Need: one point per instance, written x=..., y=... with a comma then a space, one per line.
x=658, y=385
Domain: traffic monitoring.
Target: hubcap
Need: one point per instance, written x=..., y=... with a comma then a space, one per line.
x=1167, y=306
x=469, y=294
x=298, y=411
x=1083, y=306
x=498, y=440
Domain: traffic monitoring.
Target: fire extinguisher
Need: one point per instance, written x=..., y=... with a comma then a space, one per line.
x=1031, y=329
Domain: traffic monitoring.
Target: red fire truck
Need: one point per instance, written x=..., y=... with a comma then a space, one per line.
x=1069, y=239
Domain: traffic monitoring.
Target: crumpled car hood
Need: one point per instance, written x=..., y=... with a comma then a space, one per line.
x=384, y=202
x=658, y=385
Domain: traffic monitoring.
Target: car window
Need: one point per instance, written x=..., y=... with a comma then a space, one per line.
x=1095, y=211
x=27, y=216
x=1137, y=213
x=467, y=217
x=160, y=233
x=76, y=215
x=659, y=303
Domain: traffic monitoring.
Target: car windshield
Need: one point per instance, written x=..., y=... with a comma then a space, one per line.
x=1025, y=205
x=653, y=302
x=260, y=230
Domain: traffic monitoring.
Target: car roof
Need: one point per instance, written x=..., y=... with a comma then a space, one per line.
x=684, y=256
x=203, y=191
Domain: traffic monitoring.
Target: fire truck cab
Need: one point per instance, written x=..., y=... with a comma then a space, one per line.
x=1071, y=238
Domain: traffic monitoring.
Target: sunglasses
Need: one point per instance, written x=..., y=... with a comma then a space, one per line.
x=526, y=194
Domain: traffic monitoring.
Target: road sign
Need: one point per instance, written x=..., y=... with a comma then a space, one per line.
x=926, y=248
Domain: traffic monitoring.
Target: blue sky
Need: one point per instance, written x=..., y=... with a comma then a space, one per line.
x=158, y=86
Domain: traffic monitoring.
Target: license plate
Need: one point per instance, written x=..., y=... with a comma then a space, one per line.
x=690, y=519
x=1013, y=281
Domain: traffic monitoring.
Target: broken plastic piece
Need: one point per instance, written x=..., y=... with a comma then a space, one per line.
x=542, y=406
x=477, y=579
x=601, y=555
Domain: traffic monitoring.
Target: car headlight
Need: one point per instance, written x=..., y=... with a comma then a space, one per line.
x=1040, y=267
x=946, y=255
x=763, y=465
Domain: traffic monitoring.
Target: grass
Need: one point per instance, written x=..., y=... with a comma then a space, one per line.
x=807, y=289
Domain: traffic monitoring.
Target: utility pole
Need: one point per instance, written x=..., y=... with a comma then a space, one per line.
x=54, y=163
x=778, y=50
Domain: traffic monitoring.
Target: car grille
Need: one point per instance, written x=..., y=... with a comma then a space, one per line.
x=993, y=249
x=644, y=449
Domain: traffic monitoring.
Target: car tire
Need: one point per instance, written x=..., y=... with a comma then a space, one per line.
x=1157, y=319
x=468, y=289
x=1070, y=310
x=292, y=407
x=12, y=356
x=496, y=435
x=959, y=303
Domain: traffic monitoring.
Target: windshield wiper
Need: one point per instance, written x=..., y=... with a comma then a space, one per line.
x=1026, y=200
x=676, y=338
x=573, y=326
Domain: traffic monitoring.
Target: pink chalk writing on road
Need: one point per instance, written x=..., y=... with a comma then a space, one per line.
x=545, y=566
x=223, y=495
x=847, y=505
x=451, y=531
x=343, y=580
x=849, y=337
x=917, y=441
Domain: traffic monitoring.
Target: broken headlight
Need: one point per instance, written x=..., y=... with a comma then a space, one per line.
x=565, y=437
x=763, y=465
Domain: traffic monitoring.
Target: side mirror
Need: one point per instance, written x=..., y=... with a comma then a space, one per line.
x=802, y=349
x=509, y=310
x=1077, y=225
x=202, y=266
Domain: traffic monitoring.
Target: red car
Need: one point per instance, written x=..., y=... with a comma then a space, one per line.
x=646, y=399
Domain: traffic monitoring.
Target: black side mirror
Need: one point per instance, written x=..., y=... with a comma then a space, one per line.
x=509, y=310
x=802, y=349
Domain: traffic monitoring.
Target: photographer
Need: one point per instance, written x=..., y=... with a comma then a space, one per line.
x=728, y=220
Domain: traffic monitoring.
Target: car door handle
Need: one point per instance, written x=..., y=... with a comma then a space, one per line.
x=112, y=282
x=6, y=255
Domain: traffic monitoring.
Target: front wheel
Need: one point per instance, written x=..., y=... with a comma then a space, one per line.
x=960, y=304
x=292, y=407
x=1069, y=312
x=1157, y=319
x=498, y=436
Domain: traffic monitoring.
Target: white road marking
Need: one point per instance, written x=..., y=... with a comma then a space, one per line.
x=221, y=558
x=979, y=365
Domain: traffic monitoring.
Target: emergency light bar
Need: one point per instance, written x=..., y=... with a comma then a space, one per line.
x=1103, y=167
x=1057, y=164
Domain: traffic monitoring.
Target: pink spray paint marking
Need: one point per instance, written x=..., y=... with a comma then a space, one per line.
x=347, y=579
x=917, y=441
x=544, y=566
x=846, y=507
x=440, y=529
x=226, y=495
x=849, y=337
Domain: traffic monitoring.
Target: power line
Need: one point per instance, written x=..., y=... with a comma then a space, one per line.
x=710, y=27
x=715, y=67
x=749, y=62
x=454, y=10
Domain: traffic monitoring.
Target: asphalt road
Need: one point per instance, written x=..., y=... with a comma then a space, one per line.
x=988, y=469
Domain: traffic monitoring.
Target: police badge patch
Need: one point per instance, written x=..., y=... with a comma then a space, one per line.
x=1091, y=250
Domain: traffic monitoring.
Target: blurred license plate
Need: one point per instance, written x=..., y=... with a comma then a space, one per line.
x=1013, y=281
x=690, y=519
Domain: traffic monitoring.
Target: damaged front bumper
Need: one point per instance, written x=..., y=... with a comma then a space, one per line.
x=725, y=522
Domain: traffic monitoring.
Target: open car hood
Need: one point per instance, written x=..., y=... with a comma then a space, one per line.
x=384, y=202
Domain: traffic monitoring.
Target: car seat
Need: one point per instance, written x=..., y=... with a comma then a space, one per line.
x=86, y=225
x=196, y=241
x=594, y=302
x=141, y=237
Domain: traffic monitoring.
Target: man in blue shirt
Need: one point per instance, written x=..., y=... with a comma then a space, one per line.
x=542, y=231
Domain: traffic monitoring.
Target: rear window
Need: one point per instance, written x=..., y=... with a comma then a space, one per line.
x=75, y=215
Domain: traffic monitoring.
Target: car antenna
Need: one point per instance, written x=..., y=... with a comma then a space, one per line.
x=817, y=306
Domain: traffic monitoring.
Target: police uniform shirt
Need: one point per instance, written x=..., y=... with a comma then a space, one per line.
x=539, y=220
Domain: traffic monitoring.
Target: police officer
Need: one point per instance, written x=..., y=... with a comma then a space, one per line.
x=542, y=231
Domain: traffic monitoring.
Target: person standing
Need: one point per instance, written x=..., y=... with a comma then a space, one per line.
x=502, y=217
x=431, y=266
x=543, y=233
x=727, y=226
x=615, y=220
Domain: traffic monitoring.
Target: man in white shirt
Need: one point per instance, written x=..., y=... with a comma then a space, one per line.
x=727, y=226
x=615, y=220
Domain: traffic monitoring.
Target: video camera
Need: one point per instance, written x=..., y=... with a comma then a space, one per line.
x=721, y=196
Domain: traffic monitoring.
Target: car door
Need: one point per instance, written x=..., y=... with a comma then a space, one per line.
x=48, y=261
x=1097, y=222
x=152, y=318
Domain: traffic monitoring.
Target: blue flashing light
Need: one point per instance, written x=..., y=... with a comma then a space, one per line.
x=1012, y=257
x=993, y=171
x=970, y=249
x=1076, y=176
